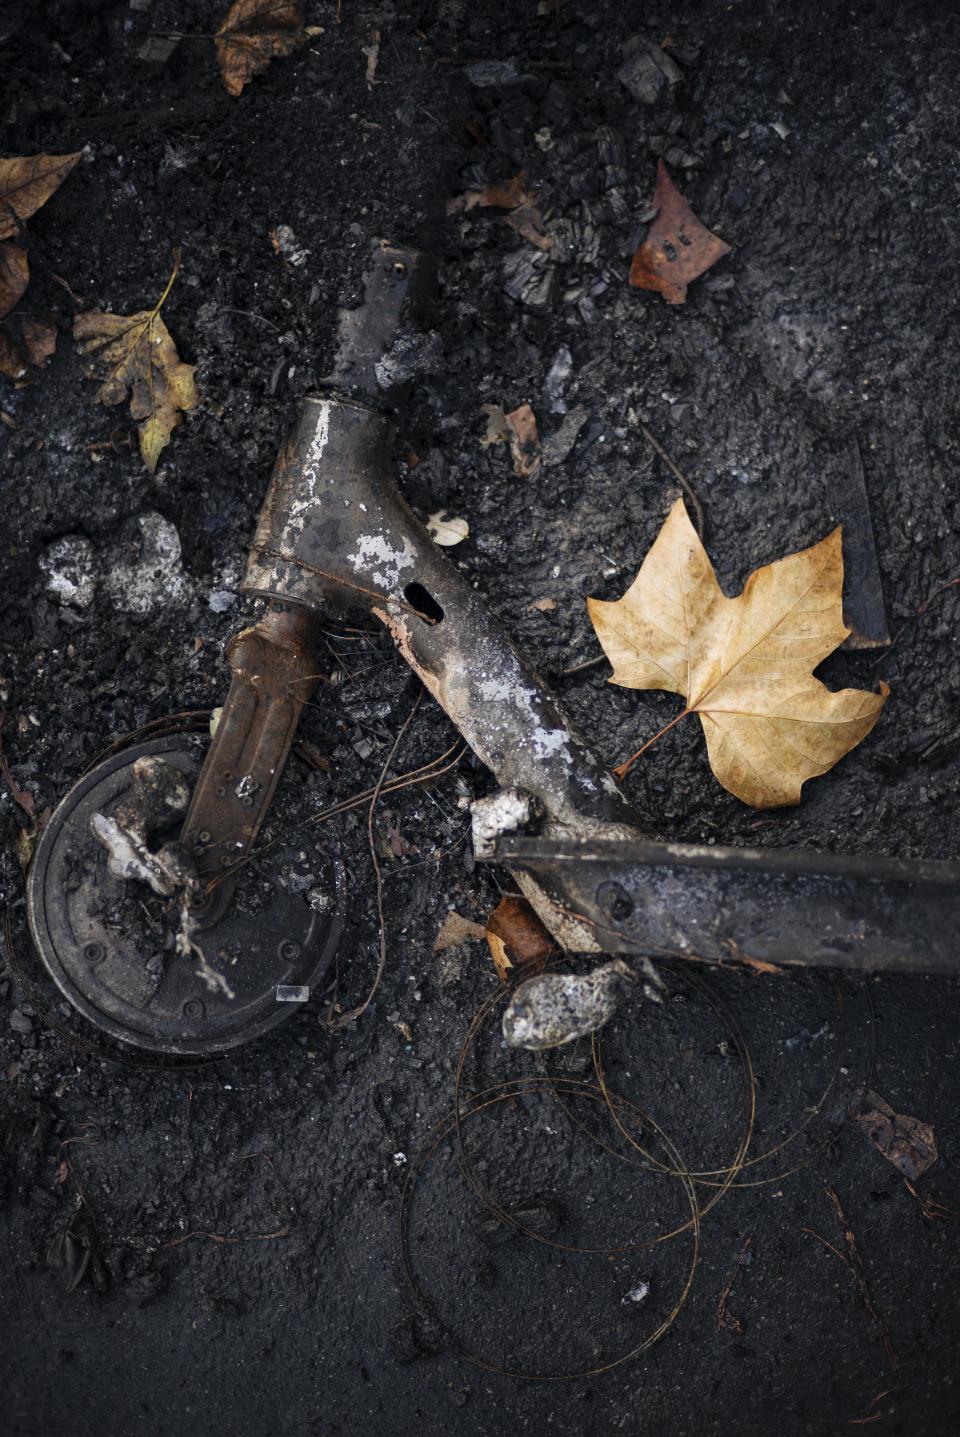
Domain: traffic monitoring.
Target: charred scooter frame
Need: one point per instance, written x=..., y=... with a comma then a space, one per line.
x=333, y=530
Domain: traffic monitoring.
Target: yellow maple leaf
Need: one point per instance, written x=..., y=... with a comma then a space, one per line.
x=744, y=665
x=138, y=357
x=254, y=33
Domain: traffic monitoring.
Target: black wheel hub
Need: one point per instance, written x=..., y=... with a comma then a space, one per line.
x=265, y=935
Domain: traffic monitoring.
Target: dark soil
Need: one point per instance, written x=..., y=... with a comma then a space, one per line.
x=243, y=1214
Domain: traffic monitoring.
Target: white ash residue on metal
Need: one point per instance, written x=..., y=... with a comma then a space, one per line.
x=159, y=796
x=500, y=813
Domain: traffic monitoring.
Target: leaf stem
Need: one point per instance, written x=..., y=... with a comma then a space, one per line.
x=622, y=769
x=680, y=477
x=173, y=274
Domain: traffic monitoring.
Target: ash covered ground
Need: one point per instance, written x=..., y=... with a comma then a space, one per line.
x=242, y=1216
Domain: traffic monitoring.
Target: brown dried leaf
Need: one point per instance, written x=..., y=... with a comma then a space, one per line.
x=477, y=133
x=497, y=429
x=12, y=362
x=909, y=1144
x=678, y=248
x=26, y=183
x=39, y=339
x=14, y=275
x=137, y=356
x=454, y=930
x=511, y=195
x=744, y=665
x=524, y=441
x=254, y=33
x=498, y=952
x=503, y=195
x=21, y=796
x=372, y=52
x=516, y=926
x=528, y=222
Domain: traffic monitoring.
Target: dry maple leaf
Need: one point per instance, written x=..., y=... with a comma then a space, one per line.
x=26, y=183
x=678, y=248
x=254, y=33
x=137, y=356
x=745, y=664
x=14, y=275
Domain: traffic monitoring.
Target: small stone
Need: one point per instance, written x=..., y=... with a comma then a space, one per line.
x=157, y=580
x=69, y=564
x=20, y=1023
x=556, y=1008
x=557, y=377
x=491, y=74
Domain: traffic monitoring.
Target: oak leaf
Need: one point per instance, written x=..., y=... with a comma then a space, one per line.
x=26, y=183
x=744, y=665
x=254, y=33
x=678, y=248
x=138, y=357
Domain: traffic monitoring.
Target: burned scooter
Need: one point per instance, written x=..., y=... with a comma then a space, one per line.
x=333, y=530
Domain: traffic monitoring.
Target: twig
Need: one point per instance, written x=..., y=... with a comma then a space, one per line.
x=681, y=478
x=940, y=589
x=855, y=1264
x=426, y=773
x=726, y=1322
x=812, y=1232
x=357, y=1012
x=22, y=796
x=32, y=247
x=219, y=1237
x=868, y=1413
x=587, y=664
x=917, y=614
x=930, y=1207
x=249, y=314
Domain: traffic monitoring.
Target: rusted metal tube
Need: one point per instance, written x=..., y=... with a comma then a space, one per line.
x=273, y=675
